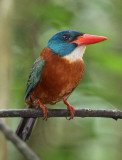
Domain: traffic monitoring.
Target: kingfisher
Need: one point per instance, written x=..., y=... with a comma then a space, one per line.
x=55, y=74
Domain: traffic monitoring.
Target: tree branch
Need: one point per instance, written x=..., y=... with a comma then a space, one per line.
x=115, y=114
x=21, y=146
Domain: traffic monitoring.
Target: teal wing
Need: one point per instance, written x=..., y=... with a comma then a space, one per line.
x=35, y=75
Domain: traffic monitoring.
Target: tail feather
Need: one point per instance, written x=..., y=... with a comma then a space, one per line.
x=25, y=127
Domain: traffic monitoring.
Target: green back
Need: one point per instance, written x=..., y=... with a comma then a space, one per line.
x=35, y=75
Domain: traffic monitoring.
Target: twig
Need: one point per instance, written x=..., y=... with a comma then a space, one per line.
x=21, y=146
x=115, y=114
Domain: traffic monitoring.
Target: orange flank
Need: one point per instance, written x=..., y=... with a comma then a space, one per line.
x=59, y=78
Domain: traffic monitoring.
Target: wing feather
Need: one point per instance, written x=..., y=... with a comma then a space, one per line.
x=35, y=75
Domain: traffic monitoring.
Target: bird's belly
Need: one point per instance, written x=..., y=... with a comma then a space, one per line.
x=58, y=81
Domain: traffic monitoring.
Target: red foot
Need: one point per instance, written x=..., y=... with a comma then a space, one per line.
x=71, y=109
x=44, y=108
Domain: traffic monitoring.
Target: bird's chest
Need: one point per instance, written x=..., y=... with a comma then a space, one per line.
x=62, y=75
x=59, y=77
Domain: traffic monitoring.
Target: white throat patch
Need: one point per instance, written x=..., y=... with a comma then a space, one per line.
x=77, y=54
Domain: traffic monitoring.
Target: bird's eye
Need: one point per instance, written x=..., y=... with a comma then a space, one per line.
x=67, y=38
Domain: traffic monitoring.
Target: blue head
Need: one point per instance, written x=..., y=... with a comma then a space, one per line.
x=61, y=43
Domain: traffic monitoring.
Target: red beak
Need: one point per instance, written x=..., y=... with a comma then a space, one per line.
x=89, y=39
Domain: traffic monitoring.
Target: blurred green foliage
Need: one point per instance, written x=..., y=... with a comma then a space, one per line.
x=33, y=23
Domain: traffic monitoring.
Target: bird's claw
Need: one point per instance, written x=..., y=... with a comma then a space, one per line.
x=72, y=112
x=44, y=109
x=71, y=109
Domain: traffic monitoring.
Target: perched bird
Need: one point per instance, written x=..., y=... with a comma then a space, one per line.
x=55, y=74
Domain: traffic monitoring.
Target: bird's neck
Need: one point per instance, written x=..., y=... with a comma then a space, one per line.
x=76, y=54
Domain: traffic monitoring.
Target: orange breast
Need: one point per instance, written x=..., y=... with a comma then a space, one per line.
x=58, y=79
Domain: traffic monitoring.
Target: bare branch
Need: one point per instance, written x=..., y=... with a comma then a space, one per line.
x=21, y=146
x=115, y=114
